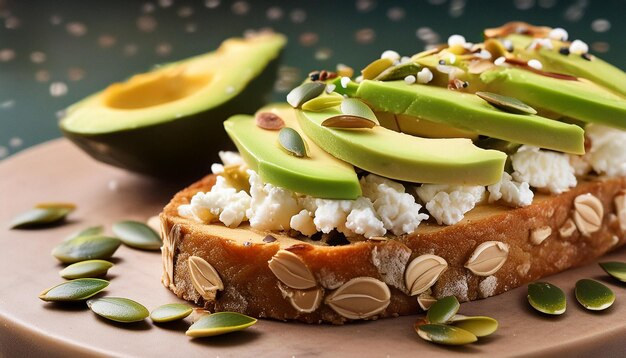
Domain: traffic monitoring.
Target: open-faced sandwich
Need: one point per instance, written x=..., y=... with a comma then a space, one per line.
x=467, y=170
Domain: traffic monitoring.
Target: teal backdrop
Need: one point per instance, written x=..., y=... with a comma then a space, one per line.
x=53, y=53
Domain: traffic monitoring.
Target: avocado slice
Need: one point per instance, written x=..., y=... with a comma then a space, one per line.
x=468, y=111
x=319, y=174
x=578, y=99
x=404, y=157
x=591, y=67
x=168, y=122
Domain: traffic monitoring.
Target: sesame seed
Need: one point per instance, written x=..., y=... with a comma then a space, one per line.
x=484, y=54
x=456, y=40
x=536, y=64
x=499, y=61
x=578, y=47
x=345, y=81
x=452, y=58
x=508, y=45
x=390, y=54
x=405, y=59
x=409, y=80
x=330, y=88
x=424, y=76
x=558, y=34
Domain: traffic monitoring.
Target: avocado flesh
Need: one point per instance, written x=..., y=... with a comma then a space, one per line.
x=468, y=111
x=596, y=70
x=404, y=157
x=580, y=99
x=156, y=122
x=319, y=174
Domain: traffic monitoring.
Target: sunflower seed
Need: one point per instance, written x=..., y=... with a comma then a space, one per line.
x=118, y=309
x=305, y=92
x=507, y=104
x=443, y=334
x=137, y=234
x=292, y=142
x=170, y=312
x=204, y=278
x=354, y=107
x=443, y=310
x=219, y=323
x=86, y=248
x=291, y=270
x=488, y=258
x=322, y=103
x=480, y=326
x=398, y=72
x=593, y=295
x=40, y=216
x=588, y=213
x=361, y=297
x=92, y=230
x=85, y=269
x=546, y=298
x=615, y=269
x=423, y=272
x=348, y=122
x=75, y=290
x=375, y=68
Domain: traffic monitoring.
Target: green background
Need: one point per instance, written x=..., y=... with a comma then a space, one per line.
x=53, y=53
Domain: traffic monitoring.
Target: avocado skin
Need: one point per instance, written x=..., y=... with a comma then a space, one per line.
x=180, y=149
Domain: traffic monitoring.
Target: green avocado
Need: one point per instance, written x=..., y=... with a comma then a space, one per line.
x=578, y=99
x=168, y=122
x=404, y=157
x=468, y=111
x=591, y=67
x=319, y=174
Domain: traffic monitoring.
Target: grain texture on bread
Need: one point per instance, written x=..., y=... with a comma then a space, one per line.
x=554, y=233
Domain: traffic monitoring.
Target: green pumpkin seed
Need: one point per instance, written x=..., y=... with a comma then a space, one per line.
x=615, y=269
x=348, y=122
x=375, y=68
x=137, y=234
x=443, y=334
x=305, y=92
x=219, y=323
x=84, y=269
x=40, y=216
x=443, y=310
x=356, y=108
x=118, y=309
x=292, y=142
x=323, y=102
x=75, y=290
x=86, y=248
x=170, y=312
x=480, y=326
x=399, y=72
x=593, y=295
x=507, y=104
x=92, y=230
x=546, y=298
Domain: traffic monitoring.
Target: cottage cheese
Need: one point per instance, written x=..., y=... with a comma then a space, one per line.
x=546, y=170
x=228, y=158
x=608, y=150
x=449, y=203
x=510, y=192
x=271, y=207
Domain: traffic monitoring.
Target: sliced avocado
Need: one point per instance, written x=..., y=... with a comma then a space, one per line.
x=319, y=174
x=591, y=67
x=168, y=122
x=581, y=99
x=404, y=157
x=468, y=111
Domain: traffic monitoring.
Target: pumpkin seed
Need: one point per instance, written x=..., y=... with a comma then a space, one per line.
x=593, y=295
x=444, y=334
x=480, y=326
x=170, y=312
x=219, y=323
x=40, y=216
x=292, y=142
x=507, y=104
x=305, y=92
x=92, y=230
x=86, y=248
x=348, y=122
x=75, y=290
x=398, y=72
x=118, y=309
x=615, y=269
x=84, y=269
x=356, y=108
x=443, y=310
x=546, y=298
x=323, y=102
x=137, y=234
x=237, y=176
x=375, y=68
x=56, y=205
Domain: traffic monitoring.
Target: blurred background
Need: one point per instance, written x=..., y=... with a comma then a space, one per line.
x=55, y=52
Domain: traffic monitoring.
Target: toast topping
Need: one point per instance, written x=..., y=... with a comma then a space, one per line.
x=425, y=300
x=361, y=297
x=204, y=278
x=171, y=238
x=620, y=207
x=290, y=270
x=487, y=258
x=305, y=301
x=588, y=213
x=568, y=228
x=423, y=272
x=538, y=235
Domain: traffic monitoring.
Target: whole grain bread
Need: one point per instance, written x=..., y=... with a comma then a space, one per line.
x=494, y=249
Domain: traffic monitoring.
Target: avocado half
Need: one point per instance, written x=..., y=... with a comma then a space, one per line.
x=168, y=122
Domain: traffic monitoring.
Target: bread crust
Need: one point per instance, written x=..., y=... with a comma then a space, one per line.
x=240, y=256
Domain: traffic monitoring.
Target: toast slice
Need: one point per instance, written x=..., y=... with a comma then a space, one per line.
x=492, y=250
